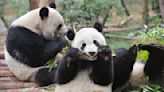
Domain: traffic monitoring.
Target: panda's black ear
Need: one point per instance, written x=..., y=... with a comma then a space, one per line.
x=52, y=5
x=98, y=26
x=70, y=34
x=44, y=13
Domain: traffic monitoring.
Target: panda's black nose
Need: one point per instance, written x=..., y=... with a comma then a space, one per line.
x=91, y=53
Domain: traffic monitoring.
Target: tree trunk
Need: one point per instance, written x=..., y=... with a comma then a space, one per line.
x=51, y=1
x=42, y=3
x=33, y=4
x=145, y=12
x=126, y=9
x=161, y=4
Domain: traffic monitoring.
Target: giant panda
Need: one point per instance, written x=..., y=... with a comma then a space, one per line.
x=87, y=66
x=32, y=40
x=134, y=73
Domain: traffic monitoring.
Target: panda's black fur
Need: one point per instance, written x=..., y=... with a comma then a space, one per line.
x=35, y=48
x=154, y=68
x=71, y=76
x=102, y=70
x=130, y=72
x=123, y=65
x=27, y=51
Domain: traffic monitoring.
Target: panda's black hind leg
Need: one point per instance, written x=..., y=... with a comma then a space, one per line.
x=45, y=76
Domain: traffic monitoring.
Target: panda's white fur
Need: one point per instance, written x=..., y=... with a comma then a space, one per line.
x=87, y=35
x=32, y=21
x=137, y=75
x=153, y=68
x=82, y=81
x=20, y=70
x=46, y=28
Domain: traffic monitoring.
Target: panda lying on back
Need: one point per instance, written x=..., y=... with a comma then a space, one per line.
x=87, y=66
x=32, y=40
x=134, y=72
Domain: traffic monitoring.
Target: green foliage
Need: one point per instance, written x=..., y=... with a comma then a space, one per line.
x=155, y=5
x=65, y=49
x=143, y=55
x=149, y=88
x=51, y=65
x=154, y=35
x=155, y=19
x=86, y=11
x=117, y=43
x=21, y=7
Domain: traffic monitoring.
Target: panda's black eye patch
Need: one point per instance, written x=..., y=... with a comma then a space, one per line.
x=60, y=25
x=83, y=46
x=96, y=43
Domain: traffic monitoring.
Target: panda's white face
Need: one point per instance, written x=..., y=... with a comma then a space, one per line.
x=87, y=41
x=54, y=25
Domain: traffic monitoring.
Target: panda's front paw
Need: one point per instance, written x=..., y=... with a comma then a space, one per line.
x=104, y=52
x=72, y=53
x=62, y=41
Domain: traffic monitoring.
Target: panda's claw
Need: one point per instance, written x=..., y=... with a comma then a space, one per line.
x=104, y=52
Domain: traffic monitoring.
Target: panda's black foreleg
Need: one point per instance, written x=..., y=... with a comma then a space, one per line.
x=30, y=48
x=54, y=47
x=102, y=71
x=45, y=77
x=68, y=67
x=123, y=65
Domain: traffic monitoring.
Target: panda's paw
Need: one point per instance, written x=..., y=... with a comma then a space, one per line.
x=104, y=52
x=62, y=41
x=72, y=53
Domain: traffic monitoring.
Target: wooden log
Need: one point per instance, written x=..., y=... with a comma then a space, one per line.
x=2, y=55
x=6, y=73
x=2, y=62
x=8, y=79
x=121, y=37
x=16, y=85
x=26, y=90
x=106, y=30
x=3, y=33
x=4, y=68
x=111, y=29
